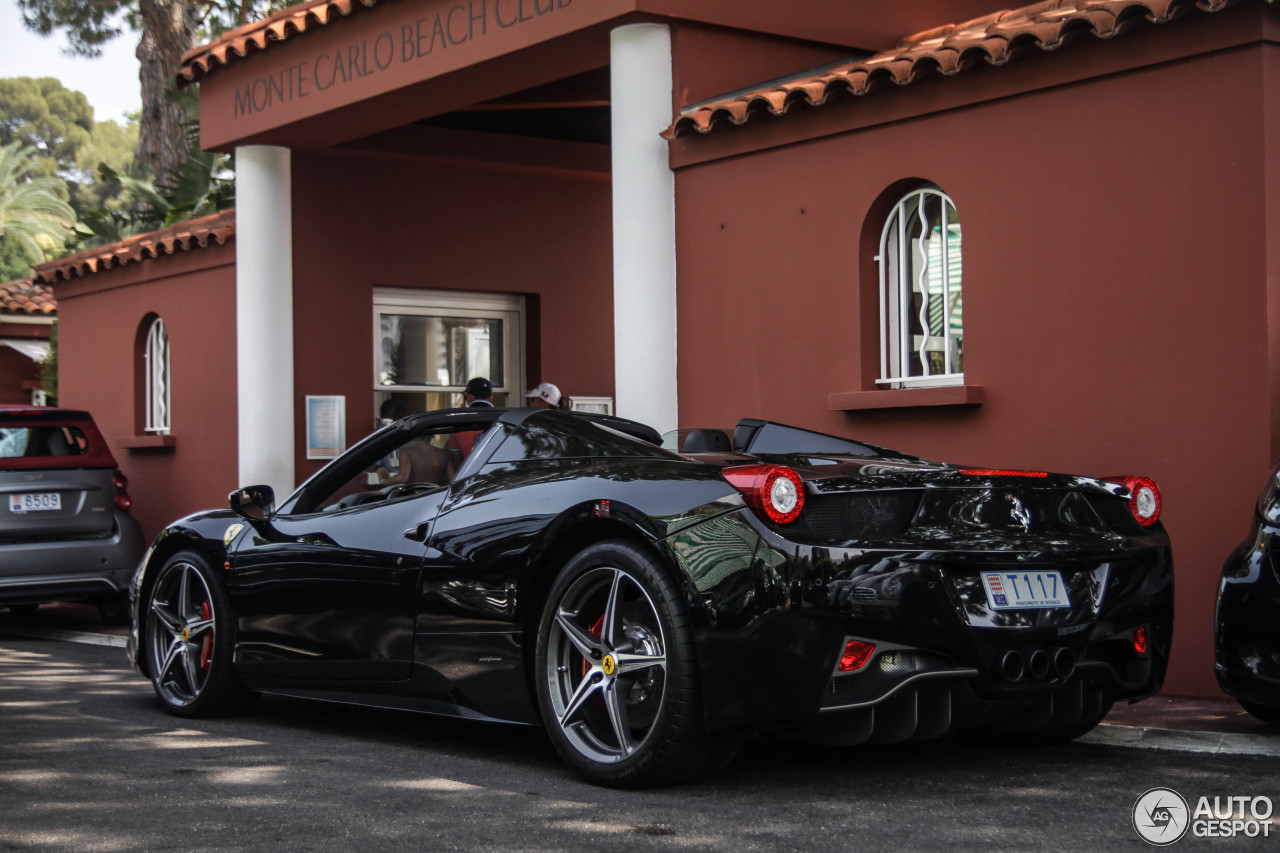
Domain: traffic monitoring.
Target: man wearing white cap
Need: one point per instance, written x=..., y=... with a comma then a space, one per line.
x=545, y=396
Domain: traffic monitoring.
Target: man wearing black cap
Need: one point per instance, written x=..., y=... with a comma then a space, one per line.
x=479, y=393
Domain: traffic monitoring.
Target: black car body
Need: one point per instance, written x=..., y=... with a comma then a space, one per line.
x=651, y=608
x=1246, y=642
x=65, y=529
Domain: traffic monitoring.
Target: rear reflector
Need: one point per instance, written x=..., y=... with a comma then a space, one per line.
x=775, y=491
x=1140, y=640
x=856, y=654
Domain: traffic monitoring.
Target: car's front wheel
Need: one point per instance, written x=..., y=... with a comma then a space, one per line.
x=114, y=609
x=617, y=678
x=189, y=641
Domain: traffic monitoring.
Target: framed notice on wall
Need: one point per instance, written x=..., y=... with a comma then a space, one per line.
x=595, y=405
x=326, y=426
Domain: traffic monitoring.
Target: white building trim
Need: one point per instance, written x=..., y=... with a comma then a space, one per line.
x=264, y=316
x=644, y=226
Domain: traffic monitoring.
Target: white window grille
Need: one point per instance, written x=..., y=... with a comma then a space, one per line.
x=156, y=357
x=921, y=305
x=427, y=344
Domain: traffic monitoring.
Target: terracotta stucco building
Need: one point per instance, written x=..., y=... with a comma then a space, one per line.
x=27, y=314
x=1039, y=237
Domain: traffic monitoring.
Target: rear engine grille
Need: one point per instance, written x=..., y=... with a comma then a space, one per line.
x=865, y=515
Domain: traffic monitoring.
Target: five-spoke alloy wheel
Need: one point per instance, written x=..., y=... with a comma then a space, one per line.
x=617, y=677
x=187, y=639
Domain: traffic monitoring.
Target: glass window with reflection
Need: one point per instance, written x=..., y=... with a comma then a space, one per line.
x=429, y=344
x=921, y=293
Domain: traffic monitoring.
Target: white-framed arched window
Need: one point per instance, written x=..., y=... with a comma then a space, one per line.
x=156, y=378
x=921, y=304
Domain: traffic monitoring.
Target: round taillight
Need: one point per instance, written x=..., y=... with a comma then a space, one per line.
x=1144, y=499
x=774, y=490
x=121, y=483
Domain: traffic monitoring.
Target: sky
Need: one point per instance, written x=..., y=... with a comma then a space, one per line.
x=110, y=82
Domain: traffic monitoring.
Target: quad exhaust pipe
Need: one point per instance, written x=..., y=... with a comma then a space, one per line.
x=1011, y=665
x=1064, y=662
x=1039, y=665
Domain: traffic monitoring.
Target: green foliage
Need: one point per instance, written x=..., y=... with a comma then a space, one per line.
x=90, y=25
x=14, y=263
x=112, y=144
x=54, y=121
x=58, y=124
x=204, y=184
x=31, y=208
x=49, y=367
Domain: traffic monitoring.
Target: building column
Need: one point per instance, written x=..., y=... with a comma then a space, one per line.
x=644, y=227
x=264, y=317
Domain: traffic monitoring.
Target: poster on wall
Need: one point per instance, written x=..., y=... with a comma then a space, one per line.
x=326, y=426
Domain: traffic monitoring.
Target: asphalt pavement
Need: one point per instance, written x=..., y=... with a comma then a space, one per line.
x=1216, y=725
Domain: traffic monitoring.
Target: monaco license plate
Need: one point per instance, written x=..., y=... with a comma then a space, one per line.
x=1023, y=590
x=35, y=502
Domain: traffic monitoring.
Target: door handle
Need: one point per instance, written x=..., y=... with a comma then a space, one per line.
x=418, y=533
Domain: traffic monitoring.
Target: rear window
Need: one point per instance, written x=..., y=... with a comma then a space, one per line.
x=42, y=441
x=51, y=438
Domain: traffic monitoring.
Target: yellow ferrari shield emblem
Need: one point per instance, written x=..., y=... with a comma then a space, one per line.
x=231, y=533
x=186, y=635
x=608, y=664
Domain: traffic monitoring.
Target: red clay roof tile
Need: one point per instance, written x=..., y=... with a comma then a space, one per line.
x=194, y=233
x=994, y=39
x=259, y=35
x=26, y=297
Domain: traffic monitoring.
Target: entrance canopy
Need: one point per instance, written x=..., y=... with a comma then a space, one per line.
x=328, y=71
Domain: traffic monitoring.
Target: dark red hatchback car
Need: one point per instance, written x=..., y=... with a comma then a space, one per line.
x=65, y=529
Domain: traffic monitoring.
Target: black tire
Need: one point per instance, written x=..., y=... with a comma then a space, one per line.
x=114, y=609
x=617, y=673
x=1266, y=713
x=189, y=640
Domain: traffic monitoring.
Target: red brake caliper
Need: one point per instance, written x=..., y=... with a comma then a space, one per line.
x=595, y=632
x=206, y=650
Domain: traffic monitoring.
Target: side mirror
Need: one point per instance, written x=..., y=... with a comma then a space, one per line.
x=253, y=503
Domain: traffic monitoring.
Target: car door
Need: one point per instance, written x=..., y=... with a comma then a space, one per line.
x=328, y=587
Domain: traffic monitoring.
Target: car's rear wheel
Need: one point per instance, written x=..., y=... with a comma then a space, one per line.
x=189, y=641
x=1266, y=713
x=617, y=676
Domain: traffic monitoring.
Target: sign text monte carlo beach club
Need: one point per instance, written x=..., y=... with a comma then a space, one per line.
x=415, y=38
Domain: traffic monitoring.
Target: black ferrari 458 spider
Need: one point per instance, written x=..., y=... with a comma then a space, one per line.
x=1247, y=645
x=651, y=608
